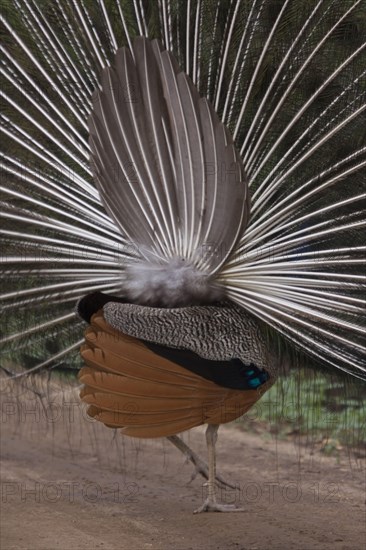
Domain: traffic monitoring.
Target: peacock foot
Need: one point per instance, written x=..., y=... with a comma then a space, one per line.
x=212, y=506
x=201, y=468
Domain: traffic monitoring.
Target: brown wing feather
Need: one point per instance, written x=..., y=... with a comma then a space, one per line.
x=128, y=386
x=108, y=401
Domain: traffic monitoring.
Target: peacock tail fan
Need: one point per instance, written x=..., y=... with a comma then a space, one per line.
x=269, y=208
x=169, y=175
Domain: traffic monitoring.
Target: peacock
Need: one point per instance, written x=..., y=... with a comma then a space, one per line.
x=192, y=176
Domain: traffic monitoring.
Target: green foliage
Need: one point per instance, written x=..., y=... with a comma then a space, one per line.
x=315, y=408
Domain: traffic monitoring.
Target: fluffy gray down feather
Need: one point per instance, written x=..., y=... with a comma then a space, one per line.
x=173, y=284
x=217, y=332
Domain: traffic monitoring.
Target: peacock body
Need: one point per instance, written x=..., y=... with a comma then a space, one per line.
x=227, y=142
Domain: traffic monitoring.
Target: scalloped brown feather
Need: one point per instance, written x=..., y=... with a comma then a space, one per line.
x=128, y=386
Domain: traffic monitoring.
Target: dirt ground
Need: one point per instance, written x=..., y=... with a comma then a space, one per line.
x=68, y=483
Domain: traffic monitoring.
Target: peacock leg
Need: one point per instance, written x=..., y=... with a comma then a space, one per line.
x=211, y=504
x=200, y=466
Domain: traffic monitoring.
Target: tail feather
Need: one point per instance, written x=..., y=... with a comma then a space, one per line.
x=132, y=131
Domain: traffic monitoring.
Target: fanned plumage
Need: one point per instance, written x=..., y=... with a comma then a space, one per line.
x=167, y=171
x=287, y=81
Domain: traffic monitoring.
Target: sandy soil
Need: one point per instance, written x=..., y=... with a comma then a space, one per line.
x=68, y=483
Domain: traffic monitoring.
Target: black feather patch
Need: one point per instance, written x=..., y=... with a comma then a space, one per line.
x=233, y=374
x=93, y=302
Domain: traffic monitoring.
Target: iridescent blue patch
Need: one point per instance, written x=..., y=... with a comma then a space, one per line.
x=254, y=376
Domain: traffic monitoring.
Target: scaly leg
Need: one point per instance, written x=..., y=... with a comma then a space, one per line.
x=211, y=504
x=200, y=466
